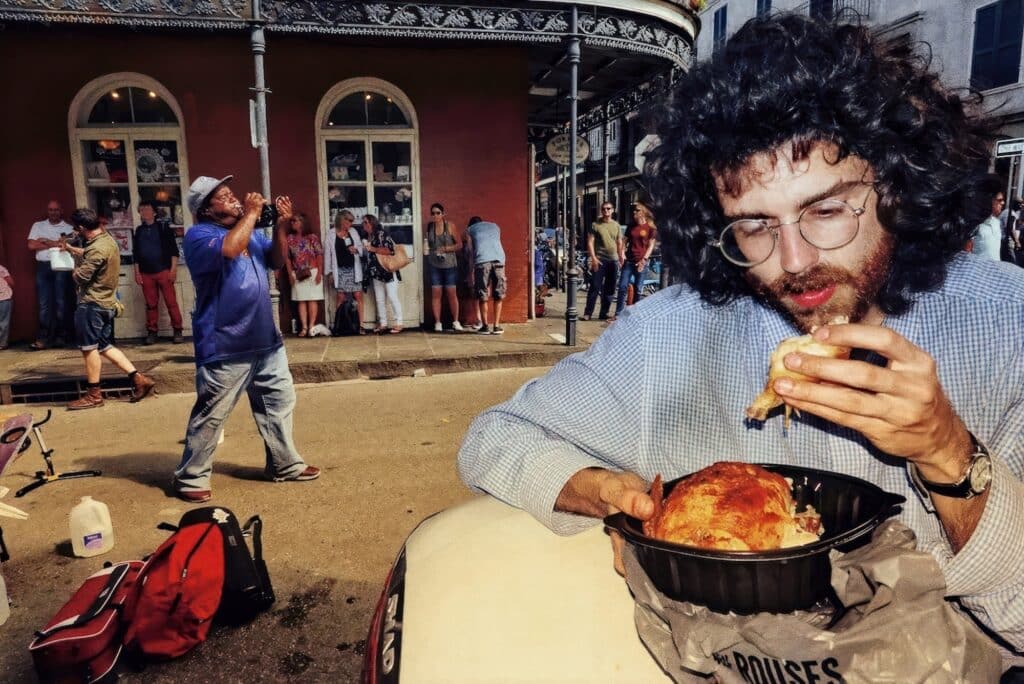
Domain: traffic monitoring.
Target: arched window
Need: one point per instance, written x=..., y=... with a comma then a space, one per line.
x=368, y=157
x=127, y=147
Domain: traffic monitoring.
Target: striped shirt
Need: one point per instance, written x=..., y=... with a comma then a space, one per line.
x=664, y=390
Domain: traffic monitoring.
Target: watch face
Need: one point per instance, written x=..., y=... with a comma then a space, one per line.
x=981, y=473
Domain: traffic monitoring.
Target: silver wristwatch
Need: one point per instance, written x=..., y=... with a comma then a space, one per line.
x=974, y=482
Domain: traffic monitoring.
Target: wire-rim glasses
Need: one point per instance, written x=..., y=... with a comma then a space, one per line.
x=826, y=224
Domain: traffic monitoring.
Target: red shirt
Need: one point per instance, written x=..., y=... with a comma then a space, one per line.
x=638, y=239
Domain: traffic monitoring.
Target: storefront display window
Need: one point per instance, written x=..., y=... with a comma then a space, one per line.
x=127, y=147
x=369, y=165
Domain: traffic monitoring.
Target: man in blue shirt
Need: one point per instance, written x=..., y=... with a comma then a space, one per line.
x=806, y=171
x=238, y=347
x=484, y=238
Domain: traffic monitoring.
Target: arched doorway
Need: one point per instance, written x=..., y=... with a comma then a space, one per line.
x=128, y=146
x=368, y=163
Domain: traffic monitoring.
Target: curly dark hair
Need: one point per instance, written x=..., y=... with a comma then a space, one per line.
x=787, y=80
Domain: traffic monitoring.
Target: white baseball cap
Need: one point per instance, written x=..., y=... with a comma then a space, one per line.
x=200, y=189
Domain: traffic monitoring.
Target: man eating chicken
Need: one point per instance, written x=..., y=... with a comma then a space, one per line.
x=807, y=171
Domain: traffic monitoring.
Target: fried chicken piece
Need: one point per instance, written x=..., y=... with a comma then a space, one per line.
x=805, y=344
x=731, y=506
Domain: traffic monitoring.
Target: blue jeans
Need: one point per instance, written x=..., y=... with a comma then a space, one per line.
x=50, y=288
x=630, y=273
x=219, y=386
x=602, y=281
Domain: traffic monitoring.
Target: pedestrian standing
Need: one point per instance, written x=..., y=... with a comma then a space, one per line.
x=305, y=268
x=51, y=285
x=155, y=253
x=635, y=254
x=604, y=243
x=97, y=275
x=484, y=237
x=343, y=256
x=442, y=249
x=6, y=299
x=385, y=283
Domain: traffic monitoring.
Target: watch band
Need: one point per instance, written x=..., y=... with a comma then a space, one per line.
x=975, y=480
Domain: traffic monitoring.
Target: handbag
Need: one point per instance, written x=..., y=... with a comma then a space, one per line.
x=61, y=260
x=302, y=272
x=396, y=262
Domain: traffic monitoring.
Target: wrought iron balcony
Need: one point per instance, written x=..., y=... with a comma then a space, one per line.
x=837, y=9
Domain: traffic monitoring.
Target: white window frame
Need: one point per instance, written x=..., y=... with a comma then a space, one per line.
x=408, y=134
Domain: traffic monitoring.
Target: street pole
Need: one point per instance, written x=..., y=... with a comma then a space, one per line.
x=573, y=53
x=259, y=48
x=607, y=125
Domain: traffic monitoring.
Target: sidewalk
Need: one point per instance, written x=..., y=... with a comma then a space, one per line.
x=57, y=375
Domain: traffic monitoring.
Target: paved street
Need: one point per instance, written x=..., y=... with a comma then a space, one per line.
x=387, y=449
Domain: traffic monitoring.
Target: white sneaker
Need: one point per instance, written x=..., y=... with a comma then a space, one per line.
x=438, y=327
x=477, y=327
x=457, y=327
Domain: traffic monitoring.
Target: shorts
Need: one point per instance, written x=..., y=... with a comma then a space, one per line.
x=347, y=280
x=94, y=327
x=444, y=277
x=490, y=274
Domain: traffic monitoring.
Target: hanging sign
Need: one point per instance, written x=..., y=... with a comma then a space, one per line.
x=1009, y=148
x=646, y=144
x=559, y=152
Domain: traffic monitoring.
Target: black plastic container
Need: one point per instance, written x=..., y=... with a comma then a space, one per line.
x=779, y=581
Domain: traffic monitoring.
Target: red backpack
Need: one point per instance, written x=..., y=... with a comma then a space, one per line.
x=179, y=593
x=203, y=571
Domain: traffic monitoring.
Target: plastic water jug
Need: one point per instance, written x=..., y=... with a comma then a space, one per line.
x=5, y=604
x=91, y=530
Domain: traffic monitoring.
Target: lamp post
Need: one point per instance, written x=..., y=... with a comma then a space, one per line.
x=573, y=54
x=259, y=48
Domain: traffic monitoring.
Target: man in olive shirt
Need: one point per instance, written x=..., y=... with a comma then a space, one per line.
x=96, y=277
x=604, y=242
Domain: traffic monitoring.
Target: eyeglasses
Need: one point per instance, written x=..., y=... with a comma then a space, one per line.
x=828, y=224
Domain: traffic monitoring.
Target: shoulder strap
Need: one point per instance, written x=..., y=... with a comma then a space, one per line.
x=257, y=532
x=99, y=604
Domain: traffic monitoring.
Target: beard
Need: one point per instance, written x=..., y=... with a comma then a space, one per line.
x=855, y=292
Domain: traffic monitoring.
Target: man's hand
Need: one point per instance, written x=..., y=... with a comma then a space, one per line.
x=595, y=263
x=172, y=275
x=284, y=208
x=597, y=492
x=253, y=204
x=138, y=278
x=901, y=407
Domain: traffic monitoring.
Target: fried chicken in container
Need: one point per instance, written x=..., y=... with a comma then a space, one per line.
x=734, y=507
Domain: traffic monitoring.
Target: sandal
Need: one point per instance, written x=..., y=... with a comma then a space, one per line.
x=362, y=331
x=37, y=345
x=303, y=333
x=378, y=330
x=395, y=331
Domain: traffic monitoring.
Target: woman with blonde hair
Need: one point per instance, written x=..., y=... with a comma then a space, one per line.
x=636, y=251
x=305, y=266
x=343, y=256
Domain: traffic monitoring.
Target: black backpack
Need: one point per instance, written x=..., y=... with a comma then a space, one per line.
x=346, y=318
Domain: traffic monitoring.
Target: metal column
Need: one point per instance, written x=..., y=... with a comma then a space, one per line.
x=573, y=53
x=607, y=125
x=259, y=48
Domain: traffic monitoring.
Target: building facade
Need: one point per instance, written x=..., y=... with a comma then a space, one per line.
x=379, y=107
x=973, y=43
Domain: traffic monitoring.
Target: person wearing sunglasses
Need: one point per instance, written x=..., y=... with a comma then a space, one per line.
x=442, y=247
x=604, y=243
x=809, y=170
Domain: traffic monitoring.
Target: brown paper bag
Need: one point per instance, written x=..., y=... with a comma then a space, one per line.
x=896, y=627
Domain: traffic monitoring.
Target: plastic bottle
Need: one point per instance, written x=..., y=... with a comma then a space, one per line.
x=91, y=529
x=5, y=604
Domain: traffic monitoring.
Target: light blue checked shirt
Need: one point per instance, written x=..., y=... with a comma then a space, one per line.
x=664, y=390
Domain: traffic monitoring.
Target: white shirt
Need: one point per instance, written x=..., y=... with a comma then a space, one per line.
x=988, y=238
x=44, y=230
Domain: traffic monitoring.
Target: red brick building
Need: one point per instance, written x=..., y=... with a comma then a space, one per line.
x=383, y=108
